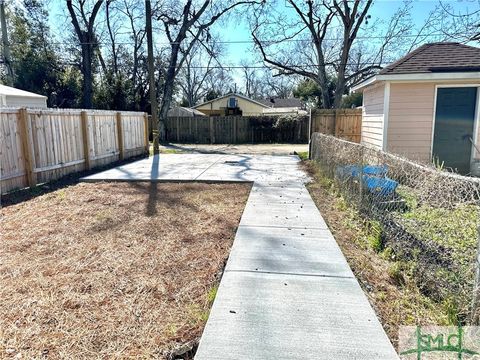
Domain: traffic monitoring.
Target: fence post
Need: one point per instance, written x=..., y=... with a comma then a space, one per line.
x=234, y=140
x=85, y=139
x=310, y=135
x=177, y=122
x=212, y=131
x=121, y=148
x=360, y=182
x=474, y=315
x=147, y=144
x=28, y=154
x=190, y=135
x=335, y=121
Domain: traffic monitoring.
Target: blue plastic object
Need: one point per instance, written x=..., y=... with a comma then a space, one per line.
x=378, y=185
x=376, y=170
x=374, y=177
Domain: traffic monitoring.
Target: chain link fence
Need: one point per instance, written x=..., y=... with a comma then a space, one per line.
x=426, y=220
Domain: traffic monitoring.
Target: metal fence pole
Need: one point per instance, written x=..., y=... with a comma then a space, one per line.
x=360, y=181
x=474, y=318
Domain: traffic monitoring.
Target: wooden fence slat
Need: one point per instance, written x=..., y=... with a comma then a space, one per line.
x=121, y=149
x=343, y=123
x=27, y=148
x=43, y=145
x=146, y=131
x=85, y=140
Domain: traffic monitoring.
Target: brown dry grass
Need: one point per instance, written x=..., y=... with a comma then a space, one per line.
x=113, y=270
x=395, y=302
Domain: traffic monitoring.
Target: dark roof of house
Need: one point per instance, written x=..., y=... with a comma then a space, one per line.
x=437, y=57
x=282, y=103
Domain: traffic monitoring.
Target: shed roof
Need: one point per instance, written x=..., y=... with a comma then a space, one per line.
x=437, y=57
x=282, y=102
x=444, y=61
x=10, y=91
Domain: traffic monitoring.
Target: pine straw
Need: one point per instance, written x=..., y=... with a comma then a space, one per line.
x=113, y=270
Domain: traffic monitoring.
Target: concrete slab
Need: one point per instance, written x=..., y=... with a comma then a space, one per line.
x=287, y=291
x=292, y=215
x=294, y=251
x=207, y=167
x=272, y=316
x=275, y=195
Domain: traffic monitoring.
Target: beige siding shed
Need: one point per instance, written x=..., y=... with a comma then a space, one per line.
x=401, y=113
x=373, y=116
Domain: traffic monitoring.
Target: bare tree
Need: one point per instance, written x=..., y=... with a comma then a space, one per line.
x=322, y=37
x=278, y=86
x=200, y=65
x=251, y=79
x=186, y=26
x=83, y=22
x=134, y=11
x=462, y=26
x=112, y=33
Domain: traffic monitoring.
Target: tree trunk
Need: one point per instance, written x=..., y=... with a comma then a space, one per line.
x=87, y=52
x=168, y=89
x=151, y=76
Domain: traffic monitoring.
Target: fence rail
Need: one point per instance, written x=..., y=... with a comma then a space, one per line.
x=425, y=219
x=43, y=145
x=342, y=123
x=236, y=129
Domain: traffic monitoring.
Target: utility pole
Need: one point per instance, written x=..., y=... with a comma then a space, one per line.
x=5, y=45
x=151, y=76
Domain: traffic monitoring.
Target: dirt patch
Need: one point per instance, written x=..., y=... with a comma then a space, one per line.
x=394, y=296
x=252, y=149
x=113, y=270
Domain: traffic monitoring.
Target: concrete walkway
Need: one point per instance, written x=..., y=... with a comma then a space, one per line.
x=287, y=291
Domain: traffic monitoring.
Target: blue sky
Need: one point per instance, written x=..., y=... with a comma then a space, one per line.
x=382, y=9
x=237, y=30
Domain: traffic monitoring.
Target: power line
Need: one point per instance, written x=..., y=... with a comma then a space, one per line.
x=263, y=42
x=232, y=67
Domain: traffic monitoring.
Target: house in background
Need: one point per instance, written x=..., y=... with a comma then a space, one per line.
x=426, y=105
x=11, y=97
x=240, y=105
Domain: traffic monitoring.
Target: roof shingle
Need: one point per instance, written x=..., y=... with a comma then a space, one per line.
x=282, y=103
x=437, y=57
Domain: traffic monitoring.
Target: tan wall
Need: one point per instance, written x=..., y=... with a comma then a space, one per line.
x=248, y=108
x=410, y=120
x=372, y=116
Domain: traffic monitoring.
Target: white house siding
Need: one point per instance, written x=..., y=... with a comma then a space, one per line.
x=24, y=101
x=372, y=116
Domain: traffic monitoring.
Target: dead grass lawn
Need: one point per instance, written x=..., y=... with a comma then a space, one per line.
x=113, y=270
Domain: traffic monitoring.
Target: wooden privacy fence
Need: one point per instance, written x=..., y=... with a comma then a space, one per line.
x=234, y=130
x=343, y=123
x=37, y=146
